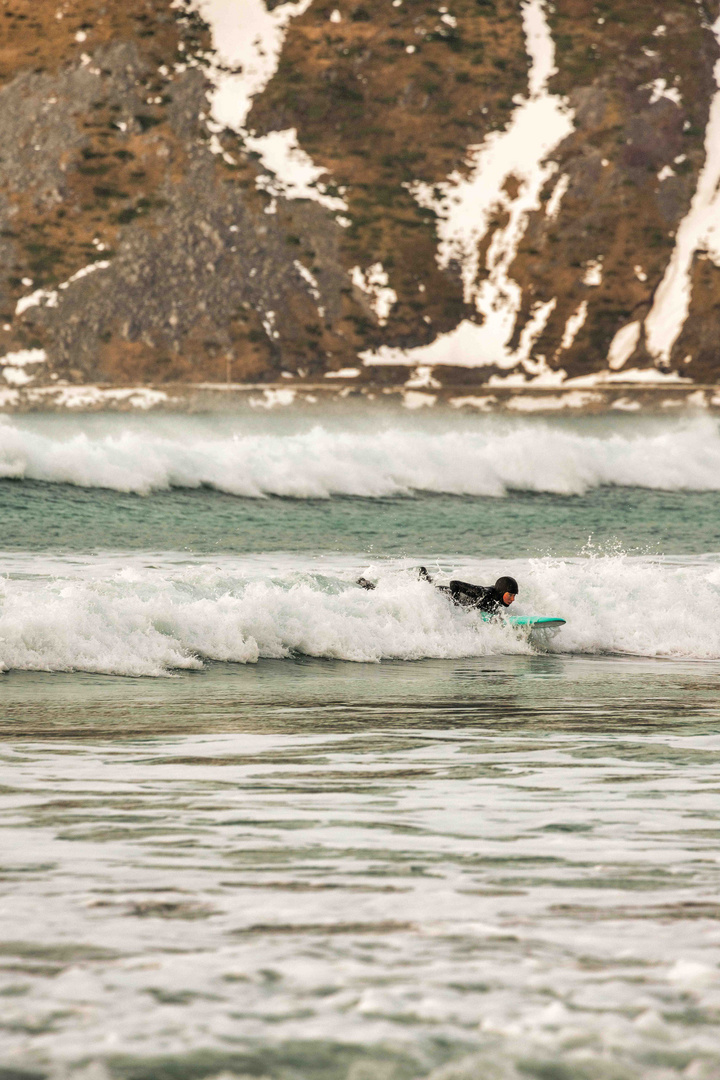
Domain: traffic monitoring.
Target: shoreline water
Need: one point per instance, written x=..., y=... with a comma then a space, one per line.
x=494, y=868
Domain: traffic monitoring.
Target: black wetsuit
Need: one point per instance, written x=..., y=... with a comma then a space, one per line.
x=480, y=597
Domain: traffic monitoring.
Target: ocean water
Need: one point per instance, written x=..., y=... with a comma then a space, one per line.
x=257, y=821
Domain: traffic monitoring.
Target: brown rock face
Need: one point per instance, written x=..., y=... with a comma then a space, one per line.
x=383, y=98
x=617, y=211
x=106, y=167
x=139, y=247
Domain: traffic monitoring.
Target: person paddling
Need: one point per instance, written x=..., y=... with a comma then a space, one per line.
x=489, y=598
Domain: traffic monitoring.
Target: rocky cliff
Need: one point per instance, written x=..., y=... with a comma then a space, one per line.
x=503, y=191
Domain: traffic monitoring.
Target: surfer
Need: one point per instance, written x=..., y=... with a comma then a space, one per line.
x=489, y=598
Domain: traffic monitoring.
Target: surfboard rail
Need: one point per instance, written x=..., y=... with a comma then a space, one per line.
x=529, y=621
x=534, y=620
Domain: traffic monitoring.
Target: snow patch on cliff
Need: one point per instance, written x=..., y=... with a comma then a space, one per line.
x=422, y=378
x=294, y=174
x=23, y=357
x=458, y=348
x=623, y=345
x=83, y=398
x=636, y=376
x=247, y=42
x=553, y=207
x=531, y=331
x=465, y=208
x=698, y=231
x=593, y=272
x=14, y=364
x=50, y=297
x=507, y=173
x=461, y=347
x=247, y=39
x=374, y=283
x=573, y=326
x=312, y=285
x=659, y=90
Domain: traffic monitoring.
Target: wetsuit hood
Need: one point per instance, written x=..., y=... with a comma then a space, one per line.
x=503, y=585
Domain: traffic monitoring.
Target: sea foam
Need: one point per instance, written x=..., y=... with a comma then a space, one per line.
x=130, y=615
x=384, y=456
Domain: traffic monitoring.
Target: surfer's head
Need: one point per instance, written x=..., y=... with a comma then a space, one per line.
x=507, y=587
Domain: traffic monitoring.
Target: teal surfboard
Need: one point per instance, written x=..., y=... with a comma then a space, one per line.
x=531, y=621
x=534, y=620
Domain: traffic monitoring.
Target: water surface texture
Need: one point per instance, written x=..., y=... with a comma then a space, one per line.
x=257, y=821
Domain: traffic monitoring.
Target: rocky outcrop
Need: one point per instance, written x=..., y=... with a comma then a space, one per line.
x=492, y=190
x=136, y=252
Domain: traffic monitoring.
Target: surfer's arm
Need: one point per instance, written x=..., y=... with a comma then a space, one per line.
x=468, y=595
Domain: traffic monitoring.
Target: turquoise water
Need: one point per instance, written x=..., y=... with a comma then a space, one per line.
x=39, y=516
x=359, y=482
x=257, y=821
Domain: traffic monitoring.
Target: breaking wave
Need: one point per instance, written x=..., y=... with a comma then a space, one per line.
x=485, y=456
x=127, y=616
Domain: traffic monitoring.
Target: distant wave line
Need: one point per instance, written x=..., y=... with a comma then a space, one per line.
x=485, y=459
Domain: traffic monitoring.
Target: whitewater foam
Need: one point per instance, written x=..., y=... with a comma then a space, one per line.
x=146, y=615
x=378, y=458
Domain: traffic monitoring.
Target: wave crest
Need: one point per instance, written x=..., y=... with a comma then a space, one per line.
x=487, y=457
x=146, y=620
